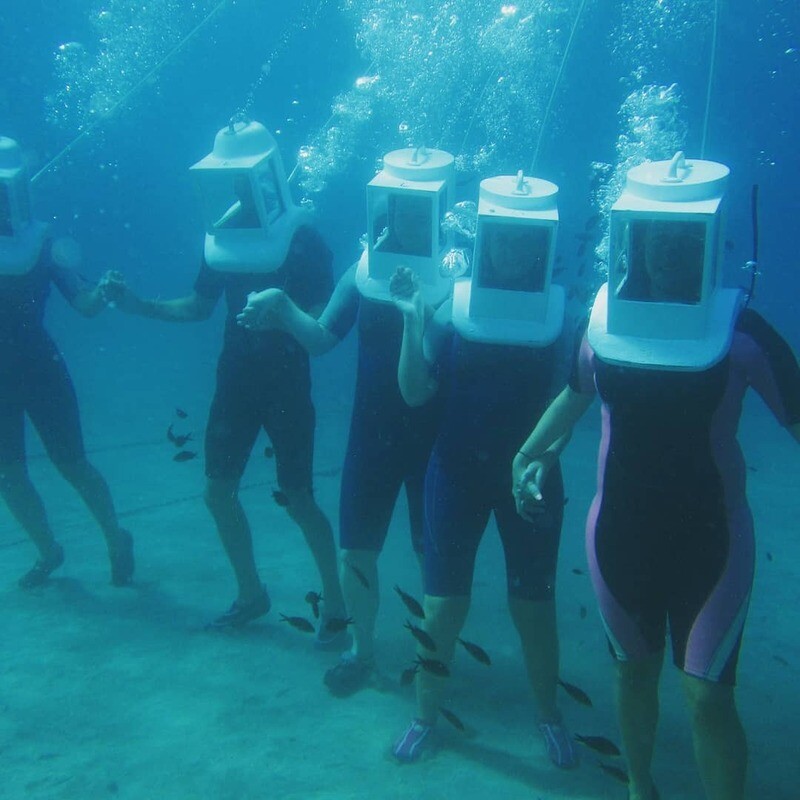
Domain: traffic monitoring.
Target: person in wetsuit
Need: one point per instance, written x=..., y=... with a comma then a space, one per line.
x=34, y=379
x=669, y=536
x=388, y=443
x=263, y=377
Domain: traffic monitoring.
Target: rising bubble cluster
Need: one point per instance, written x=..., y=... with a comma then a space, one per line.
x=129, y=40
x=470, y=76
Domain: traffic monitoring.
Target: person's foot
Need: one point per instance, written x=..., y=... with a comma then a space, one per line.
x=560, y=746
x=415, y=741
x=349, y=675
x=40, y=571
x=239, y=614
x=332, y=641
x=122, y=561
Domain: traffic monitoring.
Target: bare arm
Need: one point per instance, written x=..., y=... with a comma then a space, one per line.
x=417, y=385
x=191, y=308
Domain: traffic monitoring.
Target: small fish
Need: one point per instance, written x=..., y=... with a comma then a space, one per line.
x=566, y=500
x=421, y=636
x=301, y=623
x=433, y=666
x=577, y=694
x=769, y=556
x=583, y=612
x=337, y=624
x=269, y=452
x=178, y=439
x=478, y=653
x=781, y=660
x=362, y=578
x=599, y=744
x=280, y=498
x=411, y=604
x=452, y=719
x=184, y=455
x=577, y=571
x=407, y=675
x=181, y=413
x=614, y=772
x=314, y=599
x=752, y=469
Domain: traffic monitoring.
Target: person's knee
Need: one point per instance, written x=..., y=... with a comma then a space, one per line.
x=302, y=506
x=76, y=472
x=639, y=673
x=709, y=702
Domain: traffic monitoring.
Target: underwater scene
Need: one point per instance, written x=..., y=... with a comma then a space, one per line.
x=449, y=483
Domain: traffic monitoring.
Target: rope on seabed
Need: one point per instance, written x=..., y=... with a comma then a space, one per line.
x=173, y=501
x=711, y=68
x=555, y=86
x=157, y=68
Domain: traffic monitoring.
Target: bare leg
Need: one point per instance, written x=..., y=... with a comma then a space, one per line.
x=536, y=625
x=444, y=619
x=720, y=746
x=362, y=601
x=222, y=499
x=94, y=491
x=26, y=506
x=303, y=509
x=637, y=707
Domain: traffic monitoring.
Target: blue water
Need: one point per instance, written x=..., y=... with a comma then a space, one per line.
x=125, y=194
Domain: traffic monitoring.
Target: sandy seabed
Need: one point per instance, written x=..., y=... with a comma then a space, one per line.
x=121, y=693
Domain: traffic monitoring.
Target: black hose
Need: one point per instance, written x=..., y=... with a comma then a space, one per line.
x=752, y=265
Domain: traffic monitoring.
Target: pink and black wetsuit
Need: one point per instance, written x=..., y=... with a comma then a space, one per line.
x=669, y=537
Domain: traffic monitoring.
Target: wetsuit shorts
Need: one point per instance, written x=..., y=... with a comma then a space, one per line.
x=459, y=497
x=248, y=399
x=37, y=383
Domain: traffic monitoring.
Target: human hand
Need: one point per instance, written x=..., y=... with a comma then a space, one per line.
x=264, y=310
x=404, y=289
x=112, y=288
x=528, y=478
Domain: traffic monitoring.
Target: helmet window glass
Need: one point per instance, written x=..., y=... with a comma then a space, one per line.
x=514, y=257
x=405, y=228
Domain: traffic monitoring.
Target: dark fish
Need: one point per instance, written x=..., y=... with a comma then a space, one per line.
x=583, y=612
x=336, y=624
x=178, y=439
x=577, y=694
x=362, y=578
x=591, y=223
x=421, y=636
x=614, y=772
x=411, y=604
x=577, y=571
x=314, y=599
x=181, y=413
x=452, y=719
x=408, y=675
x=269, y=452
x=566, y=500
x=581, y=249
x=433, y=666
x=301, y=623
x=781, y=660
x=280, y=498
x=752, y=469
x=184, y=455
x=769, y=556
x=478, y=653
x=599, y=744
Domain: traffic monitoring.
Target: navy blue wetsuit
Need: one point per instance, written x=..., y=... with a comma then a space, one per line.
x=33, y=376
x=493, y=395
x=389, y=442
x=263, y=377
x=669, y=538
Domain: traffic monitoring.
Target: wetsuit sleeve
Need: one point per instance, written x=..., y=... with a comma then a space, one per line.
x=581, y=378
x=209, y=283
x=771, y=367
x=309, y=281
x=341, y=312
